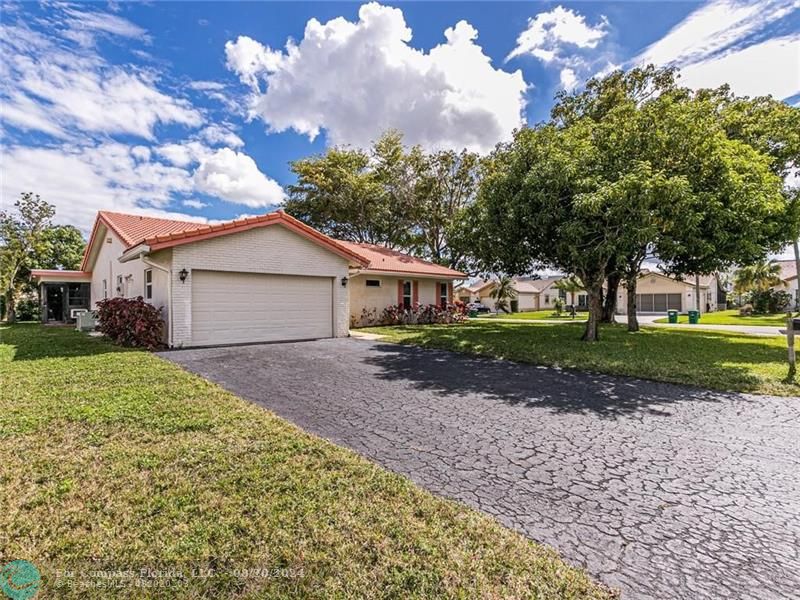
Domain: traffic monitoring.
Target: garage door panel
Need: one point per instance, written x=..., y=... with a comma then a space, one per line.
x=229, y=308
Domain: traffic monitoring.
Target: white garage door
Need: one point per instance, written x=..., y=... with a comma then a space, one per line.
x=235, y=308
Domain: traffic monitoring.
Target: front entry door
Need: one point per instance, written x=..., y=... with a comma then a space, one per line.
x=55, y=303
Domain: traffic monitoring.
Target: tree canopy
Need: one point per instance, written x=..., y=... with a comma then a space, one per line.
x=632, y=166
x=400, y=197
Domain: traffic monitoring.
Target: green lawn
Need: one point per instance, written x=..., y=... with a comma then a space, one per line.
x=712, y=359
x=536, y=315
x=125, y=458
x=732, y=317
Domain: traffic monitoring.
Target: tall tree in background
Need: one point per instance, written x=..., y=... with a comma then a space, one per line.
x=22, y=236
x=62, y=248
x=447, y=184
x=773, y=128
x=759, y=276
x=503, y=293
x=400, y=197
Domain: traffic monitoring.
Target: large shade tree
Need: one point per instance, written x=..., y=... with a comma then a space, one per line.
x=635, y=165
x=400, y=197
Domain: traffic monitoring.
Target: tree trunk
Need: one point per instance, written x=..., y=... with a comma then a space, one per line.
x=11, y=306
x=797, y=273
x=697, y=293
x=594, y=291
x=610, y=300
x=633, y=319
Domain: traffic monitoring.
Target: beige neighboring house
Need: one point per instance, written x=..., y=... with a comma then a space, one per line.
x=257, y=279
x=788, y=277
x=658, y=293
x=394, y=278
x=532, y=294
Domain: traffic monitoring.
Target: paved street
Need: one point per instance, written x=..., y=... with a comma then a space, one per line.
x=663, y=491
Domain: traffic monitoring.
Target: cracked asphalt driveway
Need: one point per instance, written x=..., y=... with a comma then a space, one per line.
x=662, y=491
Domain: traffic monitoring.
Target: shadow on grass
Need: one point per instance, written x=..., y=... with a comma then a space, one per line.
x=34, y=341
x=671, y=365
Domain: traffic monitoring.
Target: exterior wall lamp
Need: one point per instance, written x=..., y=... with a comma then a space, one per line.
x=344, y=281
x=183, y=274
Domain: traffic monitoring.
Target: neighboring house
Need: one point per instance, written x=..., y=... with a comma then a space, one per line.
x=788, y=277
x=657, y=293
x=395, y=278
x=532, y=294
x=256, y=279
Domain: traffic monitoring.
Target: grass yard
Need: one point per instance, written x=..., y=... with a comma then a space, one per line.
x=123, y=458
x=535, y=315
x=732, y=317
x=711, y=359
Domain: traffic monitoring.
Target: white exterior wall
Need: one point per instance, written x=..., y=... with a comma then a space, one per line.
x=271, y=249
x=377, y=298
x=661, y=285
x=528, y=301
x=107, y=267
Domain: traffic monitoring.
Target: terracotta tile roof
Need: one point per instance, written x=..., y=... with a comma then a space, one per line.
x=206, y=231
x=383, y=259
x=133, y=229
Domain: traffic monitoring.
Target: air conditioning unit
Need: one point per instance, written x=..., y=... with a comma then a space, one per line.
x=73, y=313
x=86, y=321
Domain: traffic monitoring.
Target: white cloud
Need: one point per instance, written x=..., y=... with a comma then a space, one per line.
x=235, y=177
x=84, y=25
x=79, y=181
x=771, y=67
x=712, y=28
x=194, y=204
x=569, y=80
x=548, y=34
x=206, y=85
x=221, y=135
x=724, y=41
x=449, y=97
x=47, y=84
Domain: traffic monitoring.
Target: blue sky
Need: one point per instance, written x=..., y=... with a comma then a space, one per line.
x=197, y=108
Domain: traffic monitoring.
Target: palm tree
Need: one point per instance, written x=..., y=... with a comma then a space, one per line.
x=570, y=285
x=759, y=277
x=503, y=292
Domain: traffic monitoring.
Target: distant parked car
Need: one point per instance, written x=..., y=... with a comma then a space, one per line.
x=478, y=307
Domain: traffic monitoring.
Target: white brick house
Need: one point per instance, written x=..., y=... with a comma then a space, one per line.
x=258, y=279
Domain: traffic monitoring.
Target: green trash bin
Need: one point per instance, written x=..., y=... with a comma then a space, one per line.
x=672, y=316
x=472, y=314
x=694, y=317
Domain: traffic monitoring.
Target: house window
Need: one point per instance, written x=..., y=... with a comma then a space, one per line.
x=148, y=284
x=119, y=286
x=407, y=294
x=444, y=299
x=547, y=298
x=105, y=289
x=373, y=283
x=562, y=294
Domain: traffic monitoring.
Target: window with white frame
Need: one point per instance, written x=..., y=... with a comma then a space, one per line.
x=105, y=289
x=148, y=284
x=444, y=298
x=373, y=283
x=120, y=290
x=407, y=298
x=547, y=298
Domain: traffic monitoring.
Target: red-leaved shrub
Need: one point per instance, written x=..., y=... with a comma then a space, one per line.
x=423, y=314
x=131, y=322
